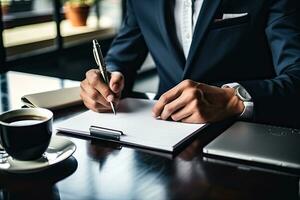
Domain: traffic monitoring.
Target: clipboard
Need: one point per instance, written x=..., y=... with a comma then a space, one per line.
x=133, y=125
x=102, y=132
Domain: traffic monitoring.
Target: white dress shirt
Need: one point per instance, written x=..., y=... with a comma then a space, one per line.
x=185, y=21
x=186, y=15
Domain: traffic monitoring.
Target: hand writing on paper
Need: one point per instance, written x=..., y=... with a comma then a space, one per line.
x=193, y=102
x=97, y=95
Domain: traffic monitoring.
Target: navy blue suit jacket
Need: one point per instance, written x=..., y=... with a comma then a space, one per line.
x=261, y=51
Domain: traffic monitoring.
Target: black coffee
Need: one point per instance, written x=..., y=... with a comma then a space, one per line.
x=25, y=133
x=25, y=120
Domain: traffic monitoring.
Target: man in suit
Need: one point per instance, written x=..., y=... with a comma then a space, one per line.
x=215, y=59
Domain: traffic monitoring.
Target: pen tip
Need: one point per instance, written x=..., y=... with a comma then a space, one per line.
x=113, y=108
x=114, y=111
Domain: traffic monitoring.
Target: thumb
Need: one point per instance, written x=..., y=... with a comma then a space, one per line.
x=116, y=83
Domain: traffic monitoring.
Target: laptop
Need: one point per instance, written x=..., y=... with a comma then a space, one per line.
x=259, y=143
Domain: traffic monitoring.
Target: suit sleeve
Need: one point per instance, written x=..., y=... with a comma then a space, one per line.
x=128, y=50
x=277, y=100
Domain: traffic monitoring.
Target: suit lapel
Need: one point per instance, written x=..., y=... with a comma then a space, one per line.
x=206, y=15
x=168, y=31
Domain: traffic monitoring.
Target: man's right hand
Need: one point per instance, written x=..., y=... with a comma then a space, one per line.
x=97, y=95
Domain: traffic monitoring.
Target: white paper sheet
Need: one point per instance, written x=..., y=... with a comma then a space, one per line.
x=135, y=120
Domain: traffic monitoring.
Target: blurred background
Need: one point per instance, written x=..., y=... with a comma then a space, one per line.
x=53, y=38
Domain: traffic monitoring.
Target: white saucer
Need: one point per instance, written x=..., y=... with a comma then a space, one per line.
x=59, y=149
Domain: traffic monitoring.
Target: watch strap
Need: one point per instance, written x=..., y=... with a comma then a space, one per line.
x=248, y=105
x=248, y=110
x=231, y=85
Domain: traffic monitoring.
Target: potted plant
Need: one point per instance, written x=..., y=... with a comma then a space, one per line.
x=5, y=6
x=77, y=11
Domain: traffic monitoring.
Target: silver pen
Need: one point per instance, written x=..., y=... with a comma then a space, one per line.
x=102, y=67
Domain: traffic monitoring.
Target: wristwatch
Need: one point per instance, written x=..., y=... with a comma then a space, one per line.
x=245, y=97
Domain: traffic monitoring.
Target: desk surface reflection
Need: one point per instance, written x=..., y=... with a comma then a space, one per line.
x=103, y=170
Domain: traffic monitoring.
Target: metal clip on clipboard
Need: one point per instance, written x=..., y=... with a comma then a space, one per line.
x=105, y=133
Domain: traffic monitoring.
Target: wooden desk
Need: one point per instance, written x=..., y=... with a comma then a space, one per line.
x=102, y=170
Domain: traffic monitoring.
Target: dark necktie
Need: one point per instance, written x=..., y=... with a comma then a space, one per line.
x=193, y=10
x=193, y=5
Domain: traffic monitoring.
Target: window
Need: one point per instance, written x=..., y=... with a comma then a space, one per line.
x=29, y=26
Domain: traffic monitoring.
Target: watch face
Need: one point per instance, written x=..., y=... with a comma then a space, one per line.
x=243, y=94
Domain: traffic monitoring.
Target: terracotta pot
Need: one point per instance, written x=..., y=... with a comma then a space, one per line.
x=77, y=14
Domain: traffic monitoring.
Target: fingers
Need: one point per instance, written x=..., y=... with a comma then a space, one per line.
x=170, y=96
x=184, y=114
x=87, y=92
x=193, y=102
x=116, y=82
x=172, y=107
x=182, y=103
x=96, y=94
x=191, y=114
x=194, y=119
x=181, y=114
x=94, y=80
x=94, y=105
x=164, y=100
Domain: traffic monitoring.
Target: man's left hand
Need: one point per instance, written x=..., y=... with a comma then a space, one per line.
x=193, y=102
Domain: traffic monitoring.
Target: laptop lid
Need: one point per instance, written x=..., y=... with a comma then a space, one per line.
x=259, y=143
